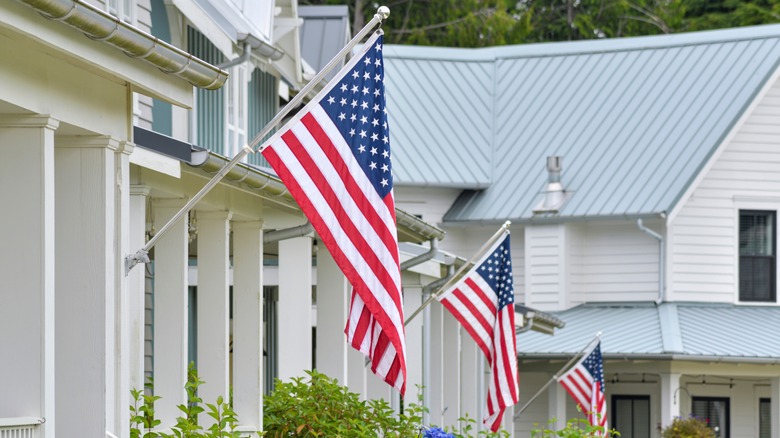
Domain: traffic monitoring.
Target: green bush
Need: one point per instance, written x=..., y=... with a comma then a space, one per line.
x=320, y=407
x=690, y=427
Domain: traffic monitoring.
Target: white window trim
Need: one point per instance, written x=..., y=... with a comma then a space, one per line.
x=755, y=203
x=237, y=90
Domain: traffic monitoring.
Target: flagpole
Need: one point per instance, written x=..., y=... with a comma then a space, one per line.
x=558, y=374
x=465, y=266
x=142, y=255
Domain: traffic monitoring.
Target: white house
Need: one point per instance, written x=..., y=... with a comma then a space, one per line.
x=98, y=150
x=657, y=227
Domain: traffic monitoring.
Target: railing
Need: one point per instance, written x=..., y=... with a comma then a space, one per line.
x=19, y=427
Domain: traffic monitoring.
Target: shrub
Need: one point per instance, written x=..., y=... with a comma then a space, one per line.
x=690, y=427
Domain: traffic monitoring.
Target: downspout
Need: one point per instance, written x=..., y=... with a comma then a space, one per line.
x=238, y=61
x=288, y=233
x=102, y=26
x=422, y=258
x=661, y=257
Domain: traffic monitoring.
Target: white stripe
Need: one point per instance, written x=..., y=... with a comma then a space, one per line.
x=348, y=204
x=472, y=322
x=342, y=240
x=354, y=318
x=504, y=383
x=483, y=290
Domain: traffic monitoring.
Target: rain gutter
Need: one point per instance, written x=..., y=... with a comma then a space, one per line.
x=661, y=261
x=102, y=26
x=661, y=356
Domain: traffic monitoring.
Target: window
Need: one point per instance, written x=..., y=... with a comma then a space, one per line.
x=757, y=263
x=764, y=418
x=715, y=411
x=236, y=111
x=631, y=415
x=123, y=9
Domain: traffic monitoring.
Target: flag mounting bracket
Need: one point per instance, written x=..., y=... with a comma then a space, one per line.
x=141, y=256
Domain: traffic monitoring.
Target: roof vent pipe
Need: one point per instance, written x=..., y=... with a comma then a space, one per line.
x=554, y=195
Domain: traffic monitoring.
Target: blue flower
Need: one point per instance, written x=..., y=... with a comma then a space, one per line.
x=436, y=432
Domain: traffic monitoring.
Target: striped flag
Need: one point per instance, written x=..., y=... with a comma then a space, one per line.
x=585, y=383
x=483, y=302
x=334, y=157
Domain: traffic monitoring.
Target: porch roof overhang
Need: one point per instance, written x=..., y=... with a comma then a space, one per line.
x=262, y=180
x=680, y=331
x=103, y=27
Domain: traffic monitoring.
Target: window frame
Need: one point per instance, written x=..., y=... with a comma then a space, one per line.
x=773, y=273
x=727, y=416
x=633, y=397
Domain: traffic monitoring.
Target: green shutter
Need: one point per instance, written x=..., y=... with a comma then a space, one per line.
x=209, y=104
x=263, y=105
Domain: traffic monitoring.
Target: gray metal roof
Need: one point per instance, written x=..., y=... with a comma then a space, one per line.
x=324, y=32
x=692, y=331
x=635, y=119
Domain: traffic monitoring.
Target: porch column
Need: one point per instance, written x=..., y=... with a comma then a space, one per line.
x=435, y=350
x=294, y=307
x=27, y=268
x=170, y=311
x=414, y=341
x=248, y=323
x=556, y=405
x=774, y=397
x=332, y=305
x=470, y=354
x=213, y=306
x=85, y=308
x=136, y=290
x=357, y=372
x=670, y=398
x=450, y=370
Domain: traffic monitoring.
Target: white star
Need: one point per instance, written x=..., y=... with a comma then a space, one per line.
x=362, y=148
x=343, y=101
x=378, y=47
x=367, y=76
x=377, y=77
x=353, y=117
x=385, y=153
x=342, y=116
x=367, y=60
x=363, y=119
x=355, y=89
x=355, y=74
x=343, y=87
x=385, y=168
x=351, y=132
x=376, y=107
x=365, y=90
x=373, y=151
x=376, y=92
x=385, y=139
x=364, y=105
x=354, y=103
x=384, y=182
x=362, y=134
x=372, y=165
x=384, y=125
x=375, y=122
x=331, y=100
x=374, y=136
x=377, y=62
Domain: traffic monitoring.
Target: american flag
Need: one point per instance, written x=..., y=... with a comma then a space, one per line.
x=483, y=302
x=334, y=157
x=585, y=383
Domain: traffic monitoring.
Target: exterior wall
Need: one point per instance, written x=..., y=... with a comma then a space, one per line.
x=142, y=105
x=547, y=279
x=613, y=261
x=430, y=203
x=704, y=235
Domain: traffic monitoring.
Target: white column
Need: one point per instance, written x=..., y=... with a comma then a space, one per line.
x=170, y=311
x=124, y=311
x=332, y=305
x=434, y=389
x=470, y=354
x=213, y=306
x=451, y=370
x=414, y=338
x=670, y=398
x=357, y=372
x=27, y=267
x=556, y=405
x=136, y=290
x=509, y=421
x=248, y=323
x=294, y=307
x=378, y=389
x=85, y=307
x=774, y=394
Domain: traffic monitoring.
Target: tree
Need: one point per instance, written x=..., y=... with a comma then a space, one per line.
x=480, y=23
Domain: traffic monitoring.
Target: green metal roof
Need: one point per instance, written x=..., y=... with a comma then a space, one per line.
x=635, y=119
x=681, y=331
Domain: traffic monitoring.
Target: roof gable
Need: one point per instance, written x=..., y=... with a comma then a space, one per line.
x=635, y=119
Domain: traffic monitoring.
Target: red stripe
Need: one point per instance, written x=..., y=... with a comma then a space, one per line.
x=353, y=233
x=338, y=255
x=463, y=322
x=508, y=372
x=366, y=207
x=482, y=295
x=362, y=328
x=468, y=304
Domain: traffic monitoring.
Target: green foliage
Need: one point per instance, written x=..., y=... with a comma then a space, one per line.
x=320, y=407
x=690, y=427
x=467, y=425
x=480, y=23
x=142, y=419
x=575, y=428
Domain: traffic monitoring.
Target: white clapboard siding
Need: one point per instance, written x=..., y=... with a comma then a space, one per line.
x=430, y=204
x=143, y=104
x=546, y=252
x=704, y=235
x=613, y=261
